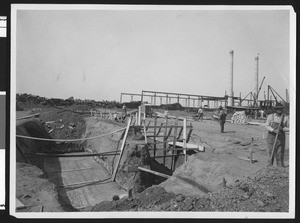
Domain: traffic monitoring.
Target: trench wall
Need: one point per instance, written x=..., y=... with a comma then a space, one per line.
x=31, y=128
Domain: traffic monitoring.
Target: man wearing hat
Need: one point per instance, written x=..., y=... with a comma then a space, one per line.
x=222, y=118
x=277, y=124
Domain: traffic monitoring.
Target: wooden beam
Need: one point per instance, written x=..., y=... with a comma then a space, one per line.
x=154, y=172
x=190, y=133
x=162, y=126
x=121, y=150
x=165, y=139
x=159, y=128
x=181, y=154
x=174, y=144
x=184, y=139
x=29, y=116
x=49, y=155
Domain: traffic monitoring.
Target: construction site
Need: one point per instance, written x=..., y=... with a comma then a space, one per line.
x=149, y=152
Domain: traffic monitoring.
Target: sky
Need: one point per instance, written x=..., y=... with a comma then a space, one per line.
x=98, y=54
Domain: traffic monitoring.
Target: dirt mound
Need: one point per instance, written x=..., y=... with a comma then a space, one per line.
x=144, y=201
x=63, y=123
x=175, y=106
x=254, y=194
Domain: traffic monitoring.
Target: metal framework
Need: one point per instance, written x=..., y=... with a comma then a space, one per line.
x=186, y=100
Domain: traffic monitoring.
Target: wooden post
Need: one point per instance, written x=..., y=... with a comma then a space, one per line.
x=144, y=115
x=148, y=125
x=154, y=146
x=139, y=116
x=184, y=139
x=179, y=134
x=121, y=149
x=189, y=134
x=159, y=128
x=136, y=118
x=154, y=172
x=145, y=132
x=174, y=143
x=165, y=143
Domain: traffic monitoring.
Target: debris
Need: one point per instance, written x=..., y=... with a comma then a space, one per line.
x=61, y=127
x=247, y=159
x=239, y=118
x=51, y=130
x=268, y=194
x=260, y=203
x=26, y=196
x=19, y=204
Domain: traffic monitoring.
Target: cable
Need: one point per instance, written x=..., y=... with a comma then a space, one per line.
x=67, y=140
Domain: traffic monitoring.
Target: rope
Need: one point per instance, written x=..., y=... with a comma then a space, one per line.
x=68, y=140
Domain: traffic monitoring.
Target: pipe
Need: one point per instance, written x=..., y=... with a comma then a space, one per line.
x=256, y=74
x=230, y=96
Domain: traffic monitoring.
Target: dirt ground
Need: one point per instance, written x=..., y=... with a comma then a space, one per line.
x=228, y=182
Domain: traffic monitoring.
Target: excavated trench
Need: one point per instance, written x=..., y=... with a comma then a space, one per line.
x=128, y=177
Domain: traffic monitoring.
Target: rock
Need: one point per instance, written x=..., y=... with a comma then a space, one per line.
x=268, y=194
x=278, y=207
x=260, y=203
x=180, y=198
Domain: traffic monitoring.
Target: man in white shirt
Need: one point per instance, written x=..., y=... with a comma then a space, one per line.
x=200, y=114
x=277, y=123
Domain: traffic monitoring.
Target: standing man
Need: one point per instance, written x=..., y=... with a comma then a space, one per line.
x=124, y=110
x=222, y=118
x=277, y=124
x=200, y=113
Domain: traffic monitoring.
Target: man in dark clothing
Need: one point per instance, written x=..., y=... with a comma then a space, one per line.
x=277, y=123
x=222, y=118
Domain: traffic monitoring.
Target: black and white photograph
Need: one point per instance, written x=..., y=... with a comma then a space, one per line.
x=152, y=111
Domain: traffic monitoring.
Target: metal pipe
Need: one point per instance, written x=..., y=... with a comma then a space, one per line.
x=256, y=75
x=230, y=98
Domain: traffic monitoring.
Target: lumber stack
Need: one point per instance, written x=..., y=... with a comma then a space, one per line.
x=239, y=118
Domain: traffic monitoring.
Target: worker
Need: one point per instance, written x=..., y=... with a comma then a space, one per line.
x=124, y=109
x=222, y=118
x=277, y=123
x=262, y=113
x=200, y=114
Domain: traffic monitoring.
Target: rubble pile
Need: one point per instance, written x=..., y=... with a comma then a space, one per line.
x=266, y=191
x=239, y=118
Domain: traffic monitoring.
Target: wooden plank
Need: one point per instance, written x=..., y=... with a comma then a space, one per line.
x=184, y=140
x=49, y=155
x=165, y=143
x=174, y=144
x=154, y=172
x=246, y=159
x=121, y=150
x=187, y=146
x=190, y=133
x=180, y=132
x=159, y=129
x=179, y=149
x=169, y=133
x=29, y=116
x=154, y=136
x=145, y=132
x=163, y=126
